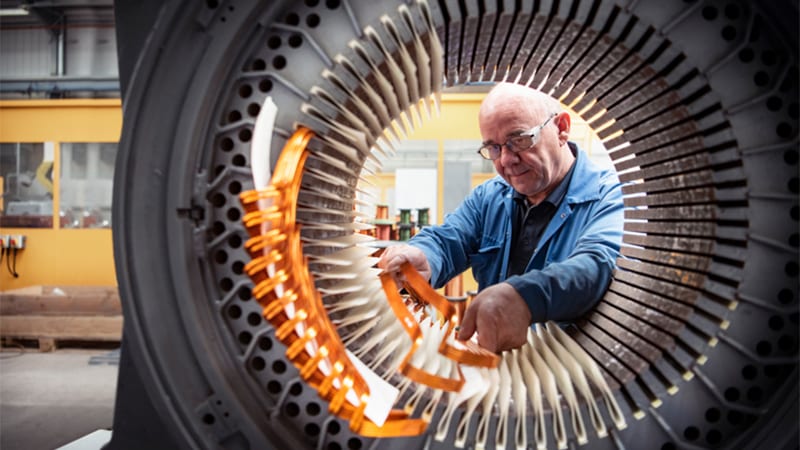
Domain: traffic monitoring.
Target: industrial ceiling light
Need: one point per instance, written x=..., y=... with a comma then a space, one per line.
x=14, y=12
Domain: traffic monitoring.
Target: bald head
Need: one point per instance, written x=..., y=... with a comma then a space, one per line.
x=512, y=109
x=510, y=98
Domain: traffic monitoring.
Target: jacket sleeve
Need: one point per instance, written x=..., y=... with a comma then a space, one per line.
x=448, y=246
x=566, y=289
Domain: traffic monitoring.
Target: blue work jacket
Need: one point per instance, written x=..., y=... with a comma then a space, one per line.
x=572, y=264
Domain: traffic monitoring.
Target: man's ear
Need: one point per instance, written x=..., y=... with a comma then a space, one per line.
x=564, y=123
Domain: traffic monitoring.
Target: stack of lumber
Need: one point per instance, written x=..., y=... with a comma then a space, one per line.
x=50, y=314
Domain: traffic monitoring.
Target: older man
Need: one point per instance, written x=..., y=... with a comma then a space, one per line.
x=541, y=238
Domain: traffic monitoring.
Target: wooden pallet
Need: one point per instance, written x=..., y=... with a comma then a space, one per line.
x=53, y=316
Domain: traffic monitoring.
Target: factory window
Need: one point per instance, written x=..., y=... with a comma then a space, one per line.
x=87, y=173
x=26, y=180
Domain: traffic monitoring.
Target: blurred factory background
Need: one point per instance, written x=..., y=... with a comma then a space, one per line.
x=60, y=121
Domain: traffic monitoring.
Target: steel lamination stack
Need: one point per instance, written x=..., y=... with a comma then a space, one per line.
x=697, y=101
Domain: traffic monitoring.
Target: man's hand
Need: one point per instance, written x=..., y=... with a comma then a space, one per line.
x=500, y=316
x=394, y=256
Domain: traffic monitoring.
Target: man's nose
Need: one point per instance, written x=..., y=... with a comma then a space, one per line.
x=507, y=155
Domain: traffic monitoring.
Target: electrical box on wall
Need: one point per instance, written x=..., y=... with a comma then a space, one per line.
x=10, y=241
x=17, y=241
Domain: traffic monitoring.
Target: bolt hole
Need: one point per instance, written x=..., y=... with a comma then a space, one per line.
x=265, y=85
x=774, y=104
x=790, y=157
x=312, y=20
x=254, y=319
x=233, y=214
x=239, y=160
x=709, y=13
x=218, y=200
x=235, y=187
x=712, y=415
x=245, y=91
x=793, y=185
x=749, y=372
x=279, y=367
x=274, y=42
x=764, y=348
x=312, y=409
x=274, y=387
x=732, y=394
x=245, y=338
x=279, y=62
x=253, y=109
x=226, y=144
x=691, y=433
x=218, y=228
x=785, y=296
x=791, y=269
x=208, y=419
x=293, y=19
x=295, y=40
x=761, y=78
x=296, y=389
x=259, y=65
x=237, y=268
x=729, y=33
x=292, y=410
x=265, y=344
x=258, y=363
x=784, y=130
x=746, y=55
x=312, y=429
x=334, y=428
x=245, y=135
x=234, y=116
x=234, y=312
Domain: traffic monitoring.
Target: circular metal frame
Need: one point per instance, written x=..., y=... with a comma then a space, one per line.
x=696, y=100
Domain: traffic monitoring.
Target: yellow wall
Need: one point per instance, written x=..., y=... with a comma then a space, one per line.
x=85, y=256
x=54, y=256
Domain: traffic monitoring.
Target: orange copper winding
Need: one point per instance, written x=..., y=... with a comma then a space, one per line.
x=471, y=354
x=284, y=287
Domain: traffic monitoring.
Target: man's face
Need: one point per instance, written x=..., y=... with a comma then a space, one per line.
x=532, y=172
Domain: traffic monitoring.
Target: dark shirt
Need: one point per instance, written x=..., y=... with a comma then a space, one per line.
x=529, y=222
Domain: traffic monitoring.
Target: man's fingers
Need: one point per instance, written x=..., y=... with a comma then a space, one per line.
x=467, y=324
x=487, y=339
x=391, y=260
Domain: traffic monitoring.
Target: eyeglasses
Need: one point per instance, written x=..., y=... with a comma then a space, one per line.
x=515, y=143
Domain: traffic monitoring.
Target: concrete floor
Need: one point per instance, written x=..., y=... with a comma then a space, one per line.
x=48, y=400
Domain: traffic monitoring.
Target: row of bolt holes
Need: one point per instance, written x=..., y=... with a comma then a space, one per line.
x=311, y=429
